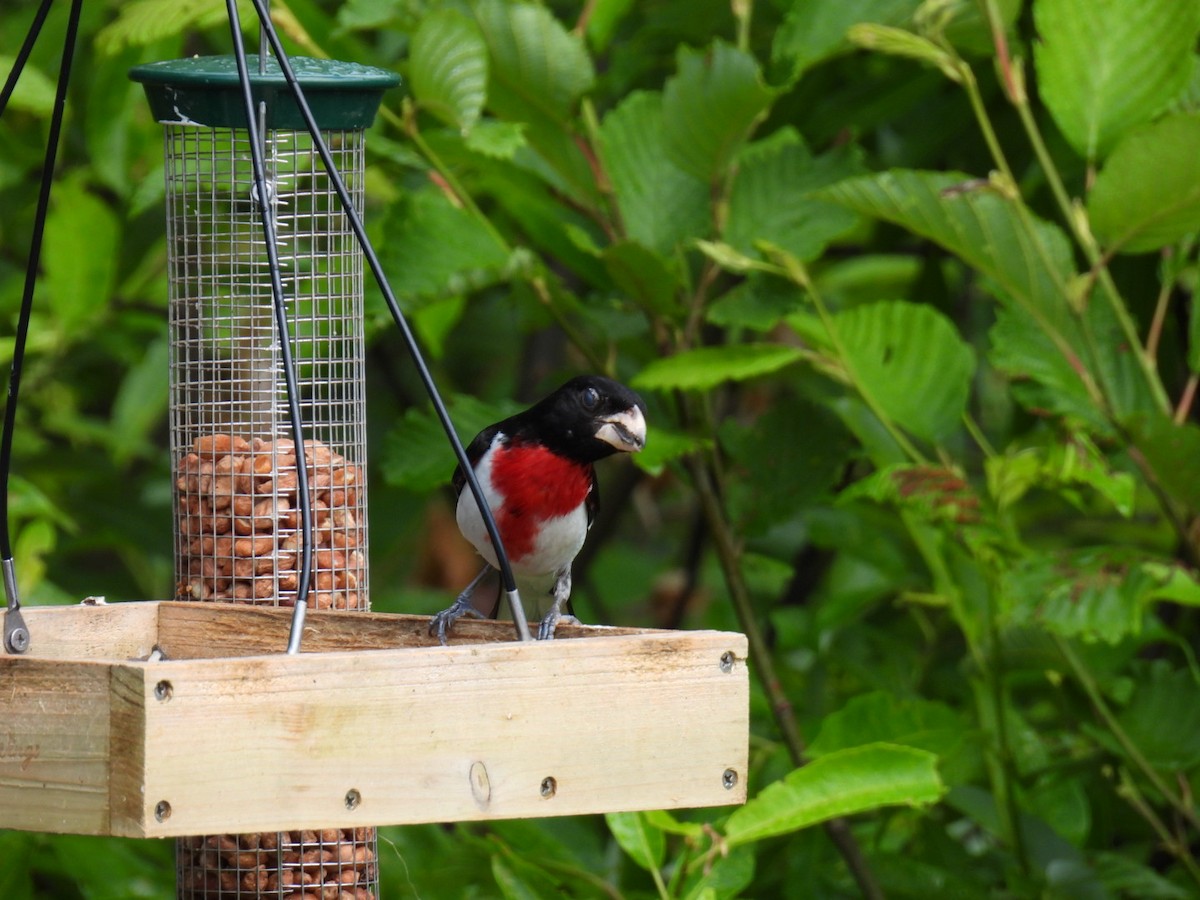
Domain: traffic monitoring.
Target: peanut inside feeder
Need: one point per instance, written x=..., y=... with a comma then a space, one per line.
x=239, y=523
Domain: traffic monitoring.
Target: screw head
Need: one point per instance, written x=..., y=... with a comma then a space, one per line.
x=162, y=810
x=163, y=690
x=353, y=798
x=17, y=640
x=727, y=661
x=549, y=787
x=729, y=779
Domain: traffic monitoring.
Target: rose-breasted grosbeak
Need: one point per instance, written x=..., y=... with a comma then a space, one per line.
x=536, y=471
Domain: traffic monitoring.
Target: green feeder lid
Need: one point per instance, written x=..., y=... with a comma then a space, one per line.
x=205, y=90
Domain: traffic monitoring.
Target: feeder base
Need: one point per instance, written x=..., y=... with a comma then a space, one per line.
x=373, y=724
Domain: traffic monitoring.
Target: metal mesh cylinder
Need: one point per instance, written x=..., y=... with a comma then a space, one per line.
x=234, y=461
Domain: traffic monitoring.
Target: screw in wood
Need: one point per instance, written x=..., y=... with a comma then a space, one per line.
x=163, y=691
x=729, y=779
x=549, y=787
x=727, y=660
x=162, y=810
x=353, y=798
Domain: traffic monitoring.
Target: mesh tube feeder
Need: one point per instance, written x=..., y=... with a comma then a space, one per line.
x=242, y=483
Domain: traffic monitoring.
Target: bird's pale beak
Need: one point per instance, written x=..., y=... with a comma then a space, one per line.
x=626, y=431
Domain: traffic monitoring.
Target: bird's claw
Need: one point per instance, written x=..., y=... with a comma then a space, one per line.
x=441, y=623
x=551, y=622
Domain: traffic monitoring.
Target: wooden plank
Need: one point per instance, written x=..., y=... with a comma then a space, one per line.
x=214, y=630
x=109, y=631
x=445, y=733
x=54, y=745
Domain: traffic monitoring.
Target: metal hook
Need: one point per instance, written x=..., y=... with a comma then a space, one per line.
x=16, y=633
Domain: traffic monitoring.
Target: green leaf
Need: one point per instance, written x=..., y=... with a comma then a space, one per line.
x=661, y=206
x=644, y=276
x=16, y=883
x=1126, y=878
x=1148, y=193
x=1044, y=381
x=140, y=404
x=1173, y=452
x=709, y=366
x=812, y=32
x=79, y=258
x=417, y=455
x=498, y=140
x=1028, y=263
x=1032, y=267
x=1062, y=467
x=511, y=885
x=892, y=347
x=645, y=845
x=142, y=22
x=772, y=198
x=536, y=63
x=33, y=93
x=663, y=447
x=727, y=877
x=905, y=44
x=538, y=71
x=840, y=784
x=758, y=303
x=433, y=249
x=882, y=716
x=448, y=68
x=763, y=493
x=1094, y=593
x=1106, y=65
x=1166, y=696
x=710, y=106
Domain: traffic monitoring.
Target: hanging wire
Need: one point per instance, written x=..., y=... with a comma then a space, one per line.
x=31, y=37
x=266, y=204
x=506, y=575
x=16, y=634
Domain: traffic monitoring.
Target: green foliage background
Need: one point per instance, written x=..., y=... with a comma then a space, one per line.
x=908, y=287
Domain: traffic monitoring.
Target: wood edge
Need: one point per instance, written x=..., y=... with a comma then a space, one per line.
x=127, y=804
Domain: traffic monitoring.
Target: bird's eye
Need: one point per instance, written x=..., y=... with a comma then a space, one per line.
x=590, y=398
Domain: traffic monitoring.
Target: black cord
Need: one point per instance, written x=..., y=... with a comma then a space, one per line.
x=506, y=575
x=35, y=252
x=31, y=37
x=266, y=201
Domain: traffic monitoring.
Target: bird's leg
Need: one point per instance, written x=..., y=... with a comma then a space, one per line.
x=462, y=606
x=561, y=593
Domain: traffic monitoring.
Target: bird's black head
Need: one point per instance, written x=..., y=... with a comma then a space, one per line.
x=588, y=418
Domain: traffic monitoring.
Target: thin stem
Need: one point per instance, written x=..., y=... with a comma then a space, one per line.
x=743, y=12
x=1185, y=401
x=1074, y=217
x=542, y=290
x=764, y=666
x=1154, y=335
x=1129, y=791
x=409, y=124
x=1084, y=677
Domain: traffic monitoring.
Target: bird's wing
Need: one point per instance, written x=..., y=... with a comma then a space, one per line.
x=592, y=502
x=475, y=450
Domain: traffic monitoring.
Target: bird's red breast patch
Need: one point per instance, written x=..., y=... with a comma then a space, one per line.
x=536, y=485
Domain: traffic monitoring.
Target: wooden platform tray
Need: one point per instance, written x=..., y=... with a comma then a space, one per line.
x=372, y=724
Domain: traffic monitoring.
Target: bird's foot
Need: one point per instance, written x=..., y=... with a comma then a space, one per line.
x=551, y=621
x=442, y=622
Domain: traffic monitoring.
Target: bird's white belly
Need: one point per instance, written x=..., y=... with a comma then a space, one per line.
x=558, y=539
